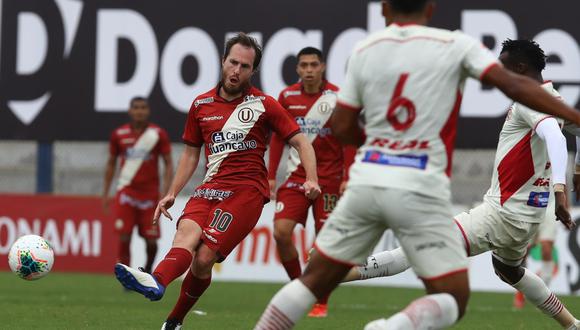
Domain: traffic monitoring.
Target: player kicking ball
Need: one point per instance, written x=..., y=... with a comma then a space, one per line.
x=408, y=78
x=233, y=123
x=531, y=147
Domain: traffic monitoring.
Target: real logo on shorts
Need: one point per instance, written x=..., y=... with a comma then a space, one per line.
x=279, y=207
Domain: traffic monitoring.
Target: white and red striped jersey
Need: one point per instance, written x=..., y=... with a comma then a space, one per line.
x=409, y=81
x=235, y=134
x=520, y=185
x=139, y=154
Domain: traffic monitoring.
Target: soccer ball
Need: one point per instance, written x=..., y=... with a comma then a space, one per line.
x=31, y=257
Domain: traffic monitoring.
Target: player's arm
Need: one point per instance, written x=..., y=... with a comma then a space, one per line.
x=576, y=179
x=185, y=168
x=527, y=92
x=308, y=160
x=549, y=131
x=167, y=172
x=345, y=126
x=109, y=174
x=275, y=154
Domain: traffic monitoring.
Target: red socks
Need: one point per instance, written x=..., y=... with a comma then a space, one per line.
x=191, y=289
x=175, y=263
x=293, y=268
x=124, y=253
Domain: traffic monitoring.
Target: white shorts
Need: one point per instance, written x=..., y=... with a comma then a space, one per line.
x=422, y=224
x=548, y=227
x=484, y=229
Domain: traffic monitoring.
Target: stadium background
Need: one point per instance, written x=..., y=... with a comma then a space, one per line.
x=68, y=69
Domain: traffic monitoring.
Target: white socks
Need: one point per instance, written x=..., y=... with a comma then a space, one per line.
x=536, y=291
x=385, y=263
x=435, y=311
x=287, y=307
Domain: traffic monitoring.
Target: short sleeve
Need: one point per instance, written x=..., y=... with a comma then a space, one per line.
x=282, y=99
x=114, y=144
x=192, y=132
x=280, y=120
x=478, y=59
x=350, y=95
x=164, y=142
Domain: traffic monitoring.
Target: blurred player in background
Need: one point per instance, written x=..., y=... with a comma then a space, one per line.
x=409, y=79
x=233, y=122
x=531, y=148
x=138, y=144
x=310, y=102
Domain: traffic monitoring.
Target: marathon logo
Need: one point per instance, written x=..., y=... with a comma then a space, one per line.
x=311, y=126
x=538, y=199
x=292, y=93
x=203, y=101
x=208, y=193
x=250, y=98
x=212, y=118
x=412, y=161
x=209, y=237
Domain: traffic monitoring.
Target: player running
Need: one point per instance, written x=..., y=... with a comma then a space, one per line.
x=138, y=144
x=531, y=147
x=408, y=78
x=310, y=102
x=233, y=121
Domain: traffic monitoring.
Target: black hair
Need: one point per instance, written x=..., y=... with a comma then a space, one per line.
x=247, y=41
x=408, y=6
x=525, y=51
x=138, y=98
x=310, y=51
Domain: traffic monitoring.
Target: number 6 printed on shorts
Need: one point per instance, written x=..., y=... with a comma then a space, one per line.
x=221, y=220
x=399, y=101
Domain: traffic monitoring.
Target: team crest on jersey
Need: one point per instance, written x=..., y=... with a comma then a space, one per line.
x=203, y=101
x=246, y=115
x=279, y=207
x=324, y=108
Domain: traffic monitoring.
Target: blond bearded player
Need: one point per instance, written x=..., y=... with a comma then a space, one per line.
x=233, y=121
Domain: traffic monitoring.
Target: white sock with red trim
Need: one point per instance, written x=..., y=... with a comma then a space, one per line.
x=536, y=291
x=287, y=307
x=386, y=263
x=435, y=311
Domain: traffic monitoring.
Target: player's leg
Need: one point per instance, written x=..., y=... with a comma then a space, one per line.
x=125, y=221
x=535, y=291
x=547, y=268
x=321, y=209
x=196, y=281
x=150, y=233
x=291, y=209
x=349, y=235
x=428, y=236
x=230, y=221
x=386, y=263
x=176, y=261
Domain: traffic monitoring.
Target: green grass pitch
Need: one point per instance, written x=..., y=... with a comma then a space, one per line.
x=79, y=301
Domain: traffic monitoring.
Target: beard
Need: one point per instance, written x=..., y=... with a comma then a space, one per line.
x=233, y=90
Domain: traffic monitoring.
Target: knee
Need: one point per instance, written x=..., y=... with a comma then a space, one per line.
x=283, y=236
x=204, y=262
x=184, y=239
x=546, y=251
x=509, y=274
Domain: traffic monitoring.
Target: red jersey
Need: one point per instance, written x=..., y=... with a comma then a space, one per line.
x=312, y=112
x=139, y=153
x=235, y=134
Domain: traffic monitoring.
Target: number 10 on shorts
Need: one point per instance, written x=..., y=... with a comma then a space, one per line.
x=221, y=220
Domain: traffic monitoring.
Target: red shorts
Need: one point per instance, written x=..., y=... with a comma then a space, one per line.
x=225, y=220
x=131, y=211
x=292, y=204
